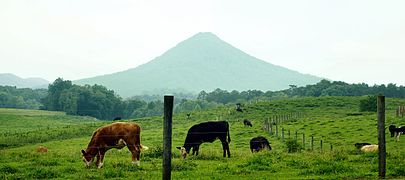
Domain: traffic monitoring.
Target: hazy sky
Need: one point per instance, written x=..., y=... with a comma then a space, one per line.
x=352, y=41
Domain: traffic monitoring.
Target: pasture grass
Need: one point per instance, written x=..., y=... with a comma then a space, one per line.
x=335, y=120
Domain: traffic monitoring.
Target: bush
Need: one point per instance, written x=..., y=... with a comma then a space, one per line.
x=369, y=104
x=293, y=145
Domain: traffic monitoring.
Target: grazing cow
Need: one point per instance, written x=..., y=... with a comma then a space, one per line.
x=367, y=147
x=239, y=107
x=42, y=149
x=188, y=115
x=206, y=132
x=259, y=143
x=115, y=135
x=396, y=132
x=117, y=118
x=247, y=123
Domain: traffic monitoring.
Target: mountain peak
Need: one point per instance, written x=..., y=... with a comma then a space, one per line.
x=202, y=37
x=202, y=62
x=205, y=35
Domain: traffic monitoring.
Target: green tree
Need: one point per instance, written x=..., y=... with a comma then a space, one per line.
x=369, y=104
x=52, y=101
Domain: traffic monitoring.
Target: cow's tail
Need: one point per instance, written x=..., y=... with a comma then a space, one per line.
x=229, y=136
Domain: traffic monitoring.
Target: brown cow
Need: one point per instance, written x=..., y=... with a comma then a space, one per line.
x=115, y=135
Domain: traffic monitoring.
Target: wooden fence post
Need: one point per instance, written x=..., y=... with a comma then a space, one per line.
x=276, y=130
x=167, y=137
x=312, y=143
x=303, y=141
x=321, y=145
x=381, y=136
x=296, y=135
x=271, y=127
x=282, y=134
x=289, y=137
x=397, y=112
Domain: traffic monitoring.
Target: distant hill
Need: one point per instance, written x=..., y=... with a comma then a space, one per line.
x=8, y=79
x=202, y=62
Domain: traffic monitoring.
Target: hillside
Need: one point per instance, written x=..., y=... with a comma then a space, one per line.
x=7, y=79
x=202, y=62
x=335, y=120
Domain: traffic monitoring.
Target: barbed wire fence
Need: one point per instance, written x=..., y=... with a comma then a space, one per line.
x=274, y=126
x=400, y=111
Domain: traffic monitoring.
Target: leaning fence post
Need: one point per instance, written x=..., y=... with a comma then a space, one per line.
x=381, y=136
x=167, y=137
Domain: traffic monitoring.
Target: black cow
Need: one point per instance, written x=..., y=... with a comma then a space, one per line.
x=396, y=132
x=206, y=132
x=259, y=143
x=247, y=123
x=239, y=107
x=117, y=118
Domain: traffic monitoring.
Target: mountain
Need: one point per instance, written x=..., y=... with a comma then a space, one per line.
x=202, y=62
x=8, y=79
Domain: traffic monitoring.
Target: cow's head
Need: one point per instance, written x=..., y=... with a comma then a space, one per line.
x=392, y=130
x=183, y=151
x=87, y=158
x=360, y=145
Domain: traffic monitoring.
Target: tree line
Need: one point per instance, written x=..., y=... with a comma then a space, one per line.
x=323, y=88
x=102, y=103
x=22, y=98
x=339, y=88
x=97, y=101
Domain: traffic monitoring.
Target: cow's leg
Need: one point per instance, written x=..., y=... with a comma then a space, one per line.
x=135, y=150
x=194, y=150
x=100, y=159
x=197, y=148
x=225, y=147
x=398, y=135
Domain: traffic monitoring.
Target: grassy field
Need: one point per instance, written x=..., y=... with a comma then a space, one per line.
x=334, y=120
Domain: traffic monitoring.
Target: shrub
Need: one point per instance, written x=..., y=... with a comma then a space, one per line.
x=369, y=104
x=293, y=146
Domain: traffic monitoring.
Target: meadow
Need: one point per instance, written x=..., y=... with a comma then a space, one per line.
x=334, y=120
